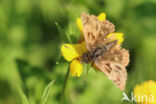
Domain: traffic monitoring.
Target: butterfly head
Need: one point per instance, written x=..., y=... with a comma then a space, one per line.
x=86, y=57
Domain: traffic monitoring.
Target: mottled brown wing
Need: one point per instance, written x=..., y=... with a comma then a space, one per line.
x=113, y=64
x=95, y=30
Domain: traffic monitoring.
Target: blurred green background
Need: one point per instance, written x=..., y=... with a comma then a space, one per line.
x=30, y=49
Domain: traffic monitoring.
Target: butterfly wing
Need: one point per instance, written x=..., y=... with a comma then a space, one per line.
x=113, y=64
x=93, y=30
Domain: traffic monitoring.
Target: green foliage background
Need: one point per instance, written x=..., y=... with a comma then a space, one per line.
x=30, y=58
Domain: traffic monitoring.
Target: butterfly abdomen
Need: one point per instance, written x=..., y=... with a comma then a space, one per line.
x=95, y=53
x=92, y=55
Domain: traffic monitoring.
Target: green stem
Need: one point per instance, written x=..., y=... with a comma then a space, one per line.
x=64, y=86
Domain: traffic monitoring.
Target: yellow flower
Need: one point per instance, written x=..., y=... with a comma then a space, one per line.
x=79, y=24
x=118, y=36
x=102, y=17
x=145, y=93
x=76, y=68
x=73, y=52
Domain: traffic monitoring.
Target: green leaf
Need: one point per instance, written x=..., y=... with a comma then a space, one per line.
x=62, y=34
x=46, y=92
x=22, y=95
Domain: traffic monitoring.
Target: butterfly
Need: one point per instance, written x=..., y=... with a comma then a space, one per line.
x=104, y=52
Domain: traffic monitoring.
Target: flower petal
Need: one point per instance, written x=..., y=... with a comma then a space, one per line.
x=79, y=24
x=147, y=89
x=116, y=36
x=102, y=16
x=76, y=68
x=69, y=52
x=72, y=51
x=81, y=48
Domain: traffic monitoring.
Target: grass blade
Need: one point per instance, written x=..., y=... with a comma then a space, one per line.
x=46, y=92
x=62, y=34
x=22, y=95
